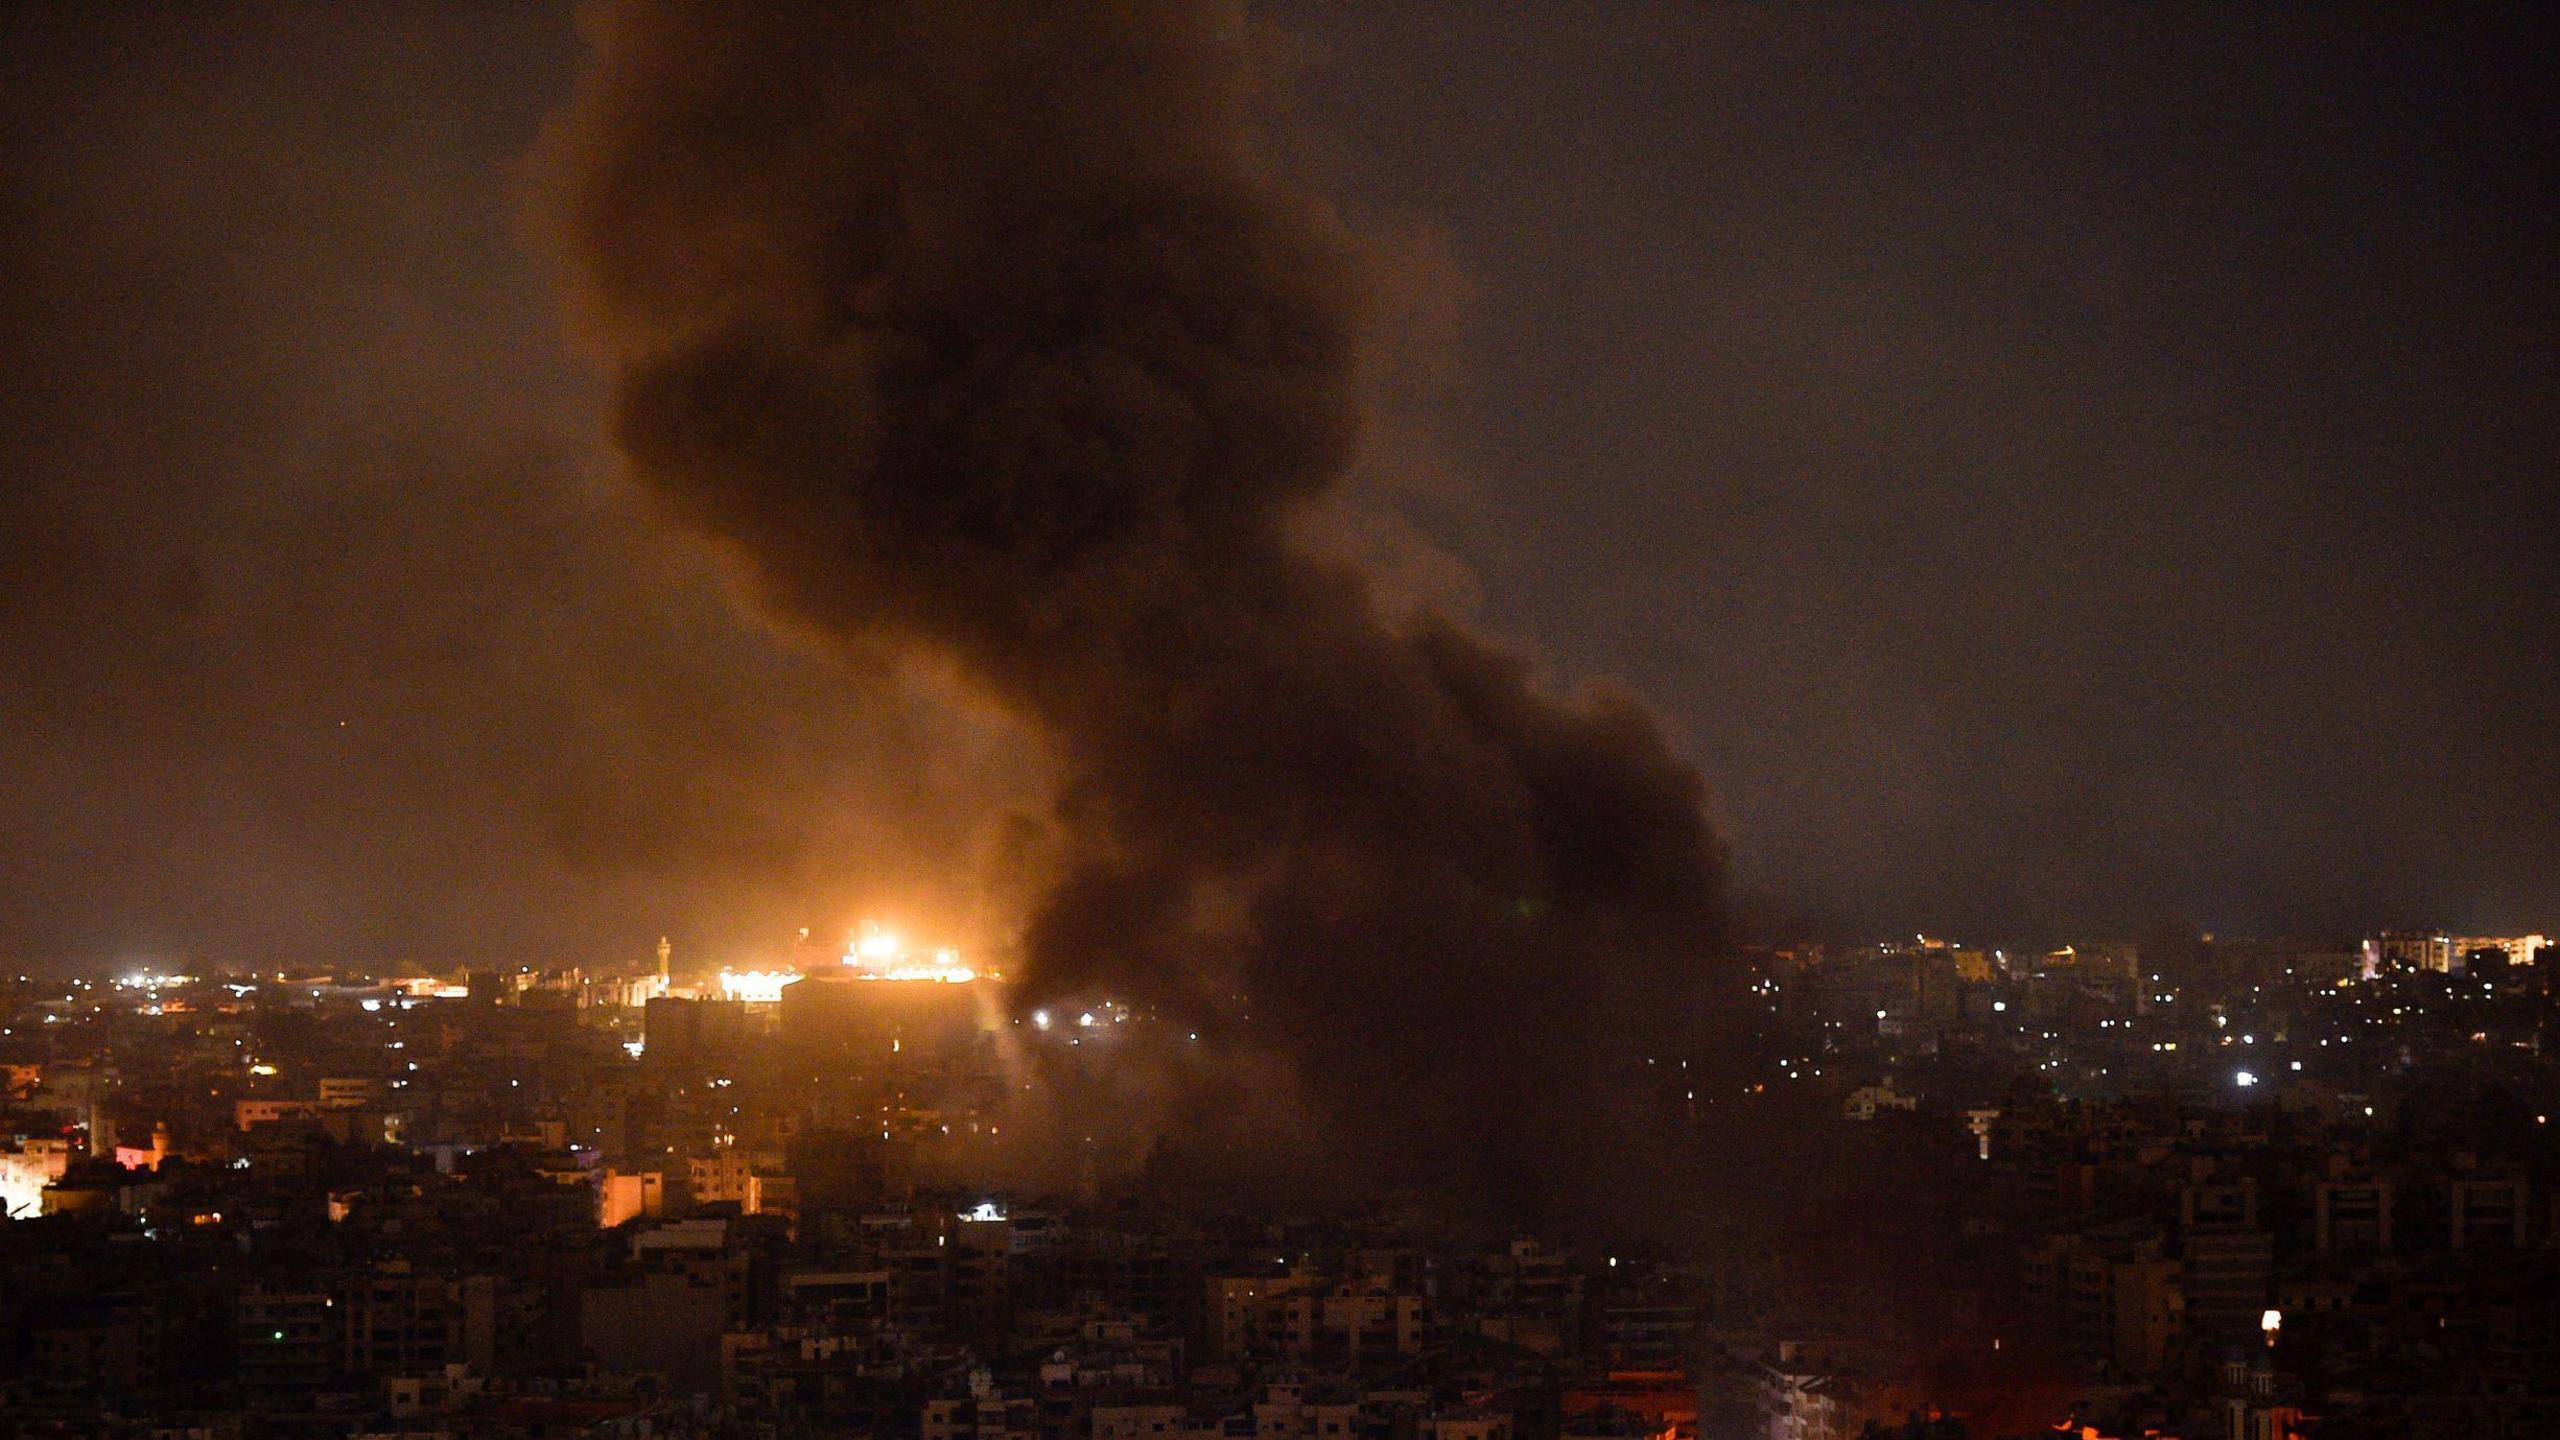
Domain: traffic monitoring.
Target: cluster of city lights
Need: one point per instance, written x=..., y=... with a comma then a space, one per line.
x=762, y=987
x=873, y=953
x=878, y=954
x=1111, y=1014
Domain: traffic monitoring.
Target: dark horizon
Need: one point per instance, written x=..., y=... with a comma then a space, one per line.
x=2054, y=474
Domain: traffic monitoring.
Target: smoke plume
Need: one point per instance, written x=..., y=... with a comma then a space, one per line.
x=329, y=633
x=983, y=332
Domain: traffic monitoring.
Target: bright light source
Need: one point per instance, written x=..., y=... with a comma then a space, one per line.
x=757, y=986
x=146, y=980
x=1040, y=1019
x=883, y=955
x=948, y=974
x=1999, y=1005
x=2244, y=1079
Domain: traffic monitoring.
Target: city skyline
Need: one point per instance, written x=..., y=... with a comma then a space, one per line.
x=1260, y=720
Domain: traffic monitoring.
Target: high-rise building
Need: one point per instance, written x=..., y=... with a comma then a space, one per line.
x=2352, y=1215
x=2407, y=950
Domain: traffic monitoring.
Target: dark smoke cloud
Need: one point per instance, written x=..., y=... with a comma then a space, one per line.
x=981, y=331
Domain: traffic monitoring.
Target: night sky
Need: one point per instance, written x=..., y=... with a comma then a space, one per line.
x=2052, y=473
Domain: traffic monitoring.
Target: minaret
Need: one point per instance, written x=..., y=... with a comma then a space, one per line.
x=664, y=950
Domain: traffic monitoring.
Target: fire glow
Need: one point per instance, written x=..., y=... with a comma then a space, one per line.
x=755, y=986
x=878, y=954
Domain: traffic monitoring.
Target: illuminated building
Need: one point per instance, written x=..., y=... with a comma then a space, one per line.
x=2518, y=949
x=719, y=1178
x=249, y=1113
x=2396, y=950
x=25, y=1172
x=770, y=1193
x=1639, y=1404
x=1803, y=1395
x=1866, y=1100
x=1303, y=1314
x=885, y=1000
x=628, y=992
x=335, y=1090
x=1979, y=1123
x=631, y=1195
x=427, y=987
x=756, y=987
x=878, y=954
x=140, y=1157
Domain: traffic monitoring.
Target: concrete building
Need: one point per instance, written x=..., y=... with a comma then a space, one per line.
x=631, y=1195
x=282, y=1338
x=2486, y=1214
x=2352, y=1216
x=2228, y=1275
x=666, y=1323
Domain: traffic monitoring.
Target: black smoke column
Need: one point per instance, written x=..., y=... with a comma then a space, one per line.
x=979, y=331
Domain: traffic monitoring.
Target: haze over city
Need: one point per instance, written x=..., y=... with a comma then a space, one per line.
x=2047, y=472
